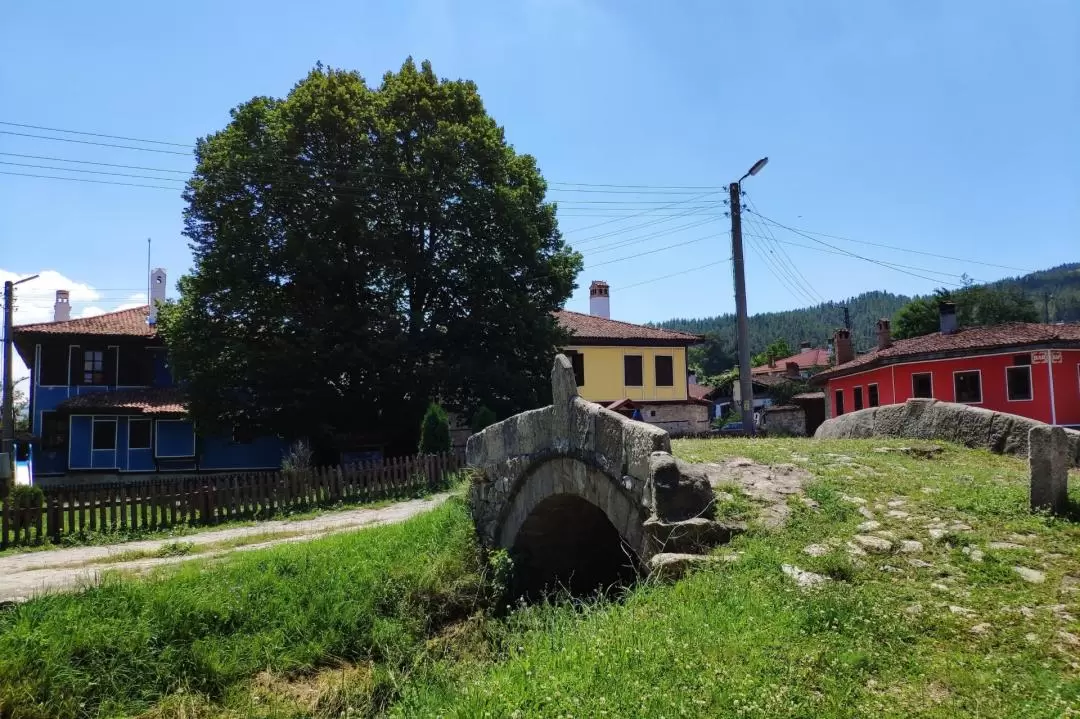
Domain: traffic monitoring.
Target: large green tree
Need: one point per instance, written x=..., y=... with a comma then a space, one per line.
x=360, y=251
x=976, y=305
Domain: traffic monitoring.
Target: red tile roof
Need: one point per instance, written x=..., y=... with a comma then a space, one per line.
x=817, y=357
x=151, y=400
x=131, y=323
x=700, y=391
x=598, y=329
x=966, y=341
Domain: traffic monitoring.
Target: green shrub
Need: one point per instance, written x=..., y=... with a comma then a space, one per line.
x=482, y=419
x=435, y=430
x=26, y=496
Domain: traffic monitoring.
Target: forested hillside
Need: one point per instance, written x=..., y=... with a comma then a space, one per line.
x=1055, y=292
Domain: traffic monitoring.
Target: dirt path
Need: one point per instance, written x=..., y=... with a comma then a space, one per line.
x=23, y=576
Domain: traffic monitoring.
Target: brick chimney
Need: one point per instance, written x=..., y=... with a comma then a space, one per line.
x=791, y=370
x=884, y=334
x=845, y=351
x=947, y=315
x=772, y=361
x=600, y=299
x=157, y=293
x=62, y=307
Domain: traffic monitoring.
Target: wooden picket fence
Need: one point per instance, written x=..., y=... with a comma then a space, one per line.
x=212, y=498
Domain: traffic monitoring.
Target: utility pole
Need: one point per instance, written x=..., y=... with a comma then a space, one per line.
x=9, y=381
x=746, y=387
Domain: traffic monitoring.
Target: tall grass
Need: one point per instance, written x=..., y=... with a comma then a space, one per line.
x=117, y=648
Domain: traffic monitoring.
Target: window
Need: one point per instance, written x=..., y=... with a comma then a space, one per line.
x=54, y=431
x=104, y=434
x=839, y=402
x=858, y=398
x=1018, y=382
x=578, y=361
x=53, y=366
x=136, y=366
x=632, y=371
x=922, y=385
x=139, y=434
x=872, y=389
x=94, y=368
x=967, y=387
x=665, y=371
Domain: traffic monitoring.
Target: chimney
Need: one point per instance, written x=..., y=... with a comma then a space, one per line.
x=599, y=299
x=791, y=370
x=691, y=378
x=157, y=293
x=884, y=334
x=845, y=351
x=772, y=361
x=804, y=347
x=947, y=313
x=62, y=308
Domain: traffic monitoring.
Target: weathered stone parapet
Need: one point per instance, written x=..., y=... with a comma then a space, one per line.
x=579, y=448
x=931, y=419
x=1048, y=459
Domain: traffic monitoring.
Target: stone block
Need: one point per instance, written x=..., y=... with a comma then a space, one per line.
x=1073, y=437
x=582, y=424
x=1048, y=460
x=640, y=440
x=679, y=491
x=608, y=444
x=563, y=391
x=889, y=421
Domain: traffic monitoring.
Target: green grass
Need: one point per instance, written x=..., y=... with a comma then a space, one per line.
x=397, y=621
x=203, y=628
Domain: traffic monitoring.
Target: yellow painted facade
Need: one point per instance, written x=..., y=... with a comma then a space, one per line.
x=604, y=373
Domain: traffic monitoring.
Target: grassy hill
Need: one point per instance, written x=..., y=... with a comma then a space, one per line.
x=1055, y=292
x=965, y=604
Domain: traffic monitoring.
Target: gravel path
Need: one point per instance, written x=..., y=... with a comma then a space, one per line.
x=23, y=576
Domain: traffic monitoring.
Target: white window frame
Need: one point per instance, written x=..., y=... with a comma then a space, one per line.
x=874, y=385
x=133, y=420
x=1031, y=384
x=933, y=394
x=968, y=371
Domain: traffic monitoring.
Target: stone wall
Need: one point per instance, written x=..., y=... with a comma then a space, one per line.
x=676, y=419
x=785, y=420
x=931, y=419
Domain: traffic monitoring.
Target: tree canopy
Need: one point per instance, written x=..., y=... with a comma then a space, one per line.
x=975, y=305
x=777, y=349
x=360, y=251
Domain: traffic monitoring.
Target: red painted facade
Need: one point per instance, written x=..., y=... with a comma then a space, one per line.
x=1059, y=368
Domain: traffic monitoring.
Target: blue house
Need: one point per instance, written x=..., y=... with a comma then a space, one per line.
x=103, y=403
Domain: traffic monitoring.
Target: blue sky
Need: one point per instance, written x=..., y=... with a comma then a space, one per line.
x=947, y=127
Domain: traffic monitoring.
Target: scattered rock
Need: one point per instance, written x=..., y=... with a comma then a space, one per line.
x=930, y=490
x=891, y=536
x=870, y=543
x=803, y=578
x=1071, y=639
x=919, y=563
x=910, y=546
x=855, y=550
x=959, y=527
x=897, y=514
x=962, y=611
x=1032, y=637
x=673, y=565
x=811, y=503
x=816, y=550
x=939, y=587
x=724, y=496
x=894, y=503
x=852, y=500
x=1054, y=556
x=1005, y=545
x=887, y=568
x=936, y=534
x=981, y=628
x=869, y=526
x=729, y=557
x=1061, y=612
x=866, y=512
x=1070, y=584
x=1030, y=575
x=976, y=555
x=1022, y=538
x=1027, y=612
x=913, y=609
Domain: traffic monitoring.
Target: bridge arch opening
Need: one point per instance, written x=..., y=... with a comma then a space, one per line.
x=568, y=544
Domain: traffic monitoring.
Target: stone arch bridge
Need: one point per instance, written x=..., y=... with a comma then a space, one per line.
x=583, y=496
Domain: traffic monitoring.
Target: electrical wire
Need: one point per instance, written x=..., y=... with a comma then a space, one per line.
x=774, y=269
x=785, y=259
x=673, y=274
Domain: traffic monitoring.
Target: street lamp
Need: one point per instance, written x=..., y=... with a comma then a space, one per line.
x=746, y=388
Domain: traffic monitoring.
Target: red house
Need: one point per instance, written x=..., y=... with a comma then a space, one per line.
x=1027, y=369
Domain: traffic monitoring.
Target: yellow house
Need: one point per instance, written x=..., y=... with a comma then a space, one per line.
x=624, y=366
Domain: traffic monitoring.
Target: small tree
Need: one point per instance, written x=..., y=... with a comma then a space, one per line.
x=483, y=418
x=435, y=430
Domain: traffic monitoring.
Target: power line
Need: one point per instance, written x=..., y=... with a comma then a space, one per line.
x=645, y=238
x=631, y=228
x=652, y=252
x=93, y=134
x=91, y=142
x=88, y=162
x=673, y=274
x=770, y=264
x=92, y=172
x=889, y=247
x=86, y=179
x=784, y=258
